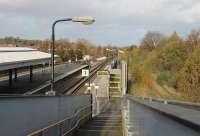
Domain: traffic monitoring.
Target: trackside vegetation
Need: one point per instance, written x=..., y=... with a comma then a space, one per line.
x=165, y=66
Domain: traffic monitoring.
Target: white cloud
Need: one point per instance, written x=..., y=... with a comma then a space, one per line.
x=116, y=18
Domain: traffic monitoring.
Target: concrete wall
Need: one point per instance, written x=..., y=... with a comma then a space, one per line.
x=20, y=116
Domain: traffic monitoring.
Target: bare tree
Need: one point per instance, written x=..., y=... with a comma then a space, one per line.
x=194, y=38
x=152, y=39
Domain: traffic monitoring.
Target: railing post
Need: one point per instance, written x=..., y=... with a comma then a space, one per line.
x=10, y=77
x=60, y=129
x=42, y=133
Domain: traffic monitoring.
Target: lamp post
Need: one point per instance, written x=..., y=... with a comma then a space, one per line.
x=96, y=95
x=96, y=89
x=87, y=59
x=86, y=20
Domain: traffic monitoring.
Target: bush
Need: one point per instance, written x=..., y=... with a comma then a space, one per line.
x=166, y=78
x=189, y=76
x=136, y=76
x=172, y=56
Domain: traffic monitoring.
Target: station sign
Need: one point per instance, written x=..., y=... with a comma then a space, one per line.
x=85, y=72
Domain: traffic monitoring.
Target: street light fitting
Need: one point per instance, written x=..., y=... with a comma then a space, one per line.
x=96, y=87
x=120, y=51
x=92, y=84
x=86, y=20
x=89, y=88
x=109, y=49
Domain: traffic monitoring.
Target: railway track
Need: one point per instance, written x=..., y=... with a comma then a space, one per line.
x=74, y=89
x=69, y=83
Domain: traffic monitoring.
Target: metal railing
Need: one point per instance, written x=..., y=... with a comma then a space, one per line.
x=190, y=105
x=67, y=125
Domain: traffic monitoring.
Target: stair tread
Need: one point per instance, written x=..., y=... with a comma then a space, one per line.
x=107, y=123
x=92, y=127
x=96, y=133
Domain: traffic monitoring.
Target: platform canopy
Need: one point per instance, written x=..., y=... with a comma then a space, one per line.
x=16, y=57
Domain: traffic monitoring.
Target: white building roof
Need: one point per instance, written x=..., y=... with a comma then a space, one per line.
x=16, y=49
x=15, y=57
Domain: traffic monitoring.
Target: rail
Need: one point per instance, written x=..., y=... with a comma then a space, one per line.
x=73, y=88
x=67, y=125
x=82, y=81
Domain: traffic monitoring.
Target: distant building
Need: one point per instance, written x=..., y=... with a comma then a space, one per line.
x=7, y=45
x=13, y=58
x=16, y=45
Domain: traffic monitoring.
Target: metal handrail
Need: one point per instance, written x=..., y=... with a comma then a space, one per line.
x=40, y=131
x=190, y=105
x=76, y=124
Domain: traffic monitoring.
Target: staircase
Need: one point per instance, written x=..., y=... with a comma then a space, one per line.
x=115, y=83
x=108, y=123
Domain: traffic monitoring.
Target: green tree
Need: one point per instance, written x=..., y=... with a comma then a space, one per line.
x=189, y=77
x=172, y=56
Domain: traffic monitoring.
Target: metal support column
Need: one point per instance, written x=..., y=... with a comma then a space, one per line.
x=10, y=77
x=31, y=74
x=91, y=102
x=15, y=75
x=89, y=73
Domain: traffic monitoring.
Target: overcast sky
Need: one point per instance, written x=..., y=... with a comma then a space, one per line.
x=118, y=22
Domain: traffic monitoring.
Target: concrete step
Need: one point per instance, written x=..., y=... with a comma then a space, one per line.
x=84, y=132
x=117, y=91
x=107, y=118
x=101, y=127
x=104, y=124
x=115, y=96
x=105, y=121
x=115, y=113
x=108, y=123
